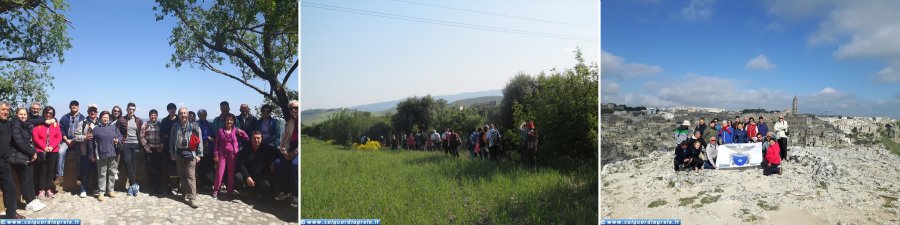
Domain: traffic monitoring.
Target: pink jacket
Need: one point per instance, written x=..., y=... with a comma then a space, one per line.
x=40, y=137
x=224, y=141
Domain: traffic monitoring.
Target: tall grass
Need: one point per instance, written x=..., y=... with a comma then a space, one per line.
x=413, y=187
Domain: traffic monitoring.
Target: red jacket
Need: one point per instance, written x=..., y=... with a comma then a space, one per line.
x=772, y=154
x=40, y=137
x=751, y=130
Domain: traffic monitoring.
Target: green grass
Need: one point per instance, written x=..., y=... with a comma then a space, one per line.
x=686, y=201
x=894, y=147
x=888, y=201
x=765, y=205
x=657, y=203
x=412, y=187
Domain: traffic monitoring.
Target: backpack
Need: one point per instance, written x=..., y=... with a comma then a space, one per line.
x=532, y=136
x=454, y=139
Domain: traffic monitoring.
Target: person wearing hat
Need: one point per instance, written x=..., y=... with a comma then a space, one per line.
x=84, y=135
x=682, y=133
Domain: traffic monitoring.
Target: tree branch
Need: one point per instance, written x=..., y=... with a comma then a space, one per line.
x=20, y=58
x=290, y=72
x=243, y=57
x=214, y=69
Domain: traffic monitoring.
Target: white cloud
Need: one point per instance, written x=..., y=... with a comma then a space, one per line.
x=615, y=66
x=864, y=29
x=698, y=10
x=760, y=63
x=887, y=75
x=829, y=90
x=609, y=87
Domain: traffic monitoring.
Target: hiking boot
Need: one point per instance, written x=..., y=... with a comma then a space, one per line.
x=100, y=197
x=193, y=203
x=111, y=194
x=215, y=195
x=41, y=195
x=50, y=194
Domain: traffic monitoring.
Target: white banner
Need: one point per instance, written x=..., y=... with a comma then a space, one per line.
x=739, y=155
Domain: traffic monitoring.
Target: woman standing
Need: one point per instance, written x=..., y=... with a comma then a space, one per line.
x=46, y=139
x=225, y=153
x=106, y=137
x=21, y=135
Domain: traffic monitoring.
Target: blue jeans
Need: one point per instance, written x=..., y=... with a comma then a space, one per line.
x=63, y=148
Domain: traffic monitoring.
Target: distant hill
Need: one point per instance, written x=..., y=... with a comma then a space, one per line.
x=469, y=101
x=382, y=106
x=314, y=116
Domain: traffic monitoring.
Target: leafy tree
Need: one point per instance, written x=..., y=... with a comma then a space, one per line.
x=515, y=92
x=415, y=112
x=259, y=37
x=564, y=109
x=33, y=33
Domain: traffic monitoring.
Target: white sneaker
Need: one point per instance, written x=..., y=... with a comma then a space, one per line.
x=83, y=195
x=35, y=205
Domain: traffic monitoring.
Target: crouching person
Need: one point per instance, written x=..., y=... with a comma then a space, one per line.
x=687, y=158
x=773, y=158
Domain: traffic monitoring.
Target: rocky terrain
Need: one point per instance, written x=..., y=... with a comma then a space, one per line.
x=820, y=185
x=630, y=136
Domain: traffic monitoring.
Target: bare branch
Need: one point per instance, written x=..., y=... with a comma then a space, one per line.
x=20, y=58
x=214, y=69
x=290, y=72
x=243, y=57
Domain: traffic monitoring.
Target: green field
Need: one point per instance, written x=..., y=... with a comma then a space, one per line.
x=413, y=187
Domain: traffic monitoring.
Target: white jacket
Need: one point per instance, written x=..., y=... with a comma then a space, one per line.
x=781, y=128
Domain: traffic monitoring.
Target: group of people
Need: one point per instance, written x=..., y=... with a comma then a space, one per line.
x=483, y=142
x=697, y=149
x=261, y=152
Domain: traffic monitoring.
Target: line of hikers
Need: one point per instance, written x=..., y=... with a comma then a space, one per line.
x=483, y=142
x=260, y=153
x=697, y=149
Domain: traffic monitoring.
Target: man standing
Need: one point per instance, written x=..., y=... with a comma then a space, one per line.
x=682, y=133
x=762, y=127
x=494, y=142
x=246, y=121
x=130, y=126
x=69, y=124
x=710, y=131
x=186, y=155
x=10, y=196
x=701, y=126
x=219, y=121
x=165, y=129
x=781, y=127
x=84, y=135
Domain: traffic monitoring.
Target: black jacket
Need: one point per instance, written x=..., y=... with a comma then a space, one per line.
x=21, y=137
x=5, y=139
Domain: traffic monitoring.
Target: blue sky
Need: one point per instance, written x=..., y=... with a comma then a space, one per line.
x=119, y=54
x=353, y=59
x=840, y=57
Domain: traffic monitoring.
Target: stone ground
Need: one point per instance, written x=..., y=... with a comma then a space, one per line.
x=855, y=185
x=147, y=209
